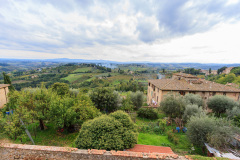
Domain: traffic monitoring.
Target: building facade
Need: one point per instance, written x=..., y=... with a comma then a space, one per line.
x=3, y=94
x=183, y=84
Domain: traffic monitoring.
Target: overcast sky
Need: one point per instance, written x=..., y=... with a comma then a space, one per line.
x=121, y=30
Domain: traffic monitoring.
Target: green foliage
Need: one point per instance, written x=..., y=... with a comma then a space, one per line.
x=130, y=86
x=192, y=71
x=60, y=88
x=66, y=111
x=228, y=78
x=231, y=113
x=162, y=123
x=127, y=104
x=137, y=98
x=236, y=71
x=7, y=80
x=172, y=137
x=193, y=99
x=148, y=113
x=173, y=105
x=13, y=127
x=222, y=134
x=199, y=128
x=105, y=99
x=113, y=132
x=219, y=104
x=192, y=110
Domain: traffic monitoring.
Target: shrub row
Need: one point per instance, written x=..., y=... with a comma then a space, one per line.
x=148, y=113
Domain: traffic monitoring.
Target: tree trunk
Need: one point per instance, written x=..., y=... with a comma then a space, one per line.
x=42, y=125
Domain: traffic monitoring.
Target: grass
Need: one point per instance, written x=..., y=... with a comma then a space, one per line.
x=48, y=137
x=153, y=139
x=197, y=157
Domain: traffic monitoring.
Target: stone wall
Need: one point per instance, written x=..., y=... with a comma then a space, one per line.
x=34, y=152
x=3, y=96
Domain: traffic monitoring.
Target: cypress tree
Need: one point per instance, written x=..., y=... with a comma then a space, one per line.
x=7, y=80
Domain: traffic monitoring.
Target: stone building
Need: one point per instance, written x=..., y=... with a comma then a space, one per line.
x=227, y=70
x=185, y=83
x=3, y=94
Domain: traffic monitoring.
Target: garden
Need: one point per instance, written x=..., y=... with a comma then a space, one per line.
x=107, y=119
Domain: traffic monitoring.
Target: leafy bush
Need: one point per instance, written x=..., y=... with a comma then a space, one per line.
x=105, y=99
x=172, y=105
x=192, y=110
x=231, y=113
x=148, y=113
x=127, y=104
x=157, y=130
x=222, y=134
x=199, y=128
x=137, y=98
x=219, y=104
x=60, y=88
x=162, y=123
x=193, y=99
x=113, y=132
x=172, y=137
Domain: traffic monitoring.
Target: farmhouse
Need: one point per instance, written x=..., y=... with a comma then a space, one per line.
x=185, y=83
x=3, y=94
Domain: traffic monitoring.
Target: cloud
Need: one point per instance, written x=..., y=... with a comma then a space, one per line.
x=115, y=30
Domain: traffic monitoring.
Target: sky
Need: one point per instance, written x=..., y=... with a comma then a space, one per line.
x=121, y=30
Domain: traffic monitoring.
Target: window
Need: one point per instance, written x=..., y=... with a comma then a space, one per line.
x=182, y=93
x=224, y=93
x=148, y=84
x=214, y=93
x=153, y=88
x=192, y=92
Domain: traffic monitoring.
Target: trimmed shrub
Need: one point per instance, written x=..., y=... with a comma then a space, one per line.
x=148, y=113
x=113, y=132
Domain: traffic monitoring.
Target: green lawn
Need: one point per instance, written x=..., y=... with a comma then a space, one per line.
x=48, y=137
x=72, y=77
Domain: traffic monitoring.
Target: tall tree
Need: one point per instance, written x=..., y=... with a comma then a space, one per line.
x=7, y=80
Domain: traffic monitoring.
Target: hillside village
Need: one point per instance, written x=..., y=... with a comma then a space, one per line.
x=161, y=108
x=119, y=80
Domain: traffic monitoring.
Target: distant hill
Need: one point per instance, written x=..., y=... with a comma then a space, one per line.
x=28, y=63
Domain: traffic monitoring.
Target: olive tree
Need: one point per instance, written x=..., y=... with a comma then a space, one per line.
x=219, y=104
x=137, y=98
x=193, y=99
x=192, y=110
x=199, y=127
x=105, y=99
x=173, y=105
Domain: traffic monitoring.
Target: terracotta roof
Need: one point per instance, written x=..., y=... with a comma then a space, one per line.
x=4, y=85
x=199, y=85
x=185, y=75
x=150, y=149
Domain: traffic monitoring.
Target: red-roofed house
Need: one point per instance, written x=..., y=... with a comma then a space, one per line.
x=185, y=83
